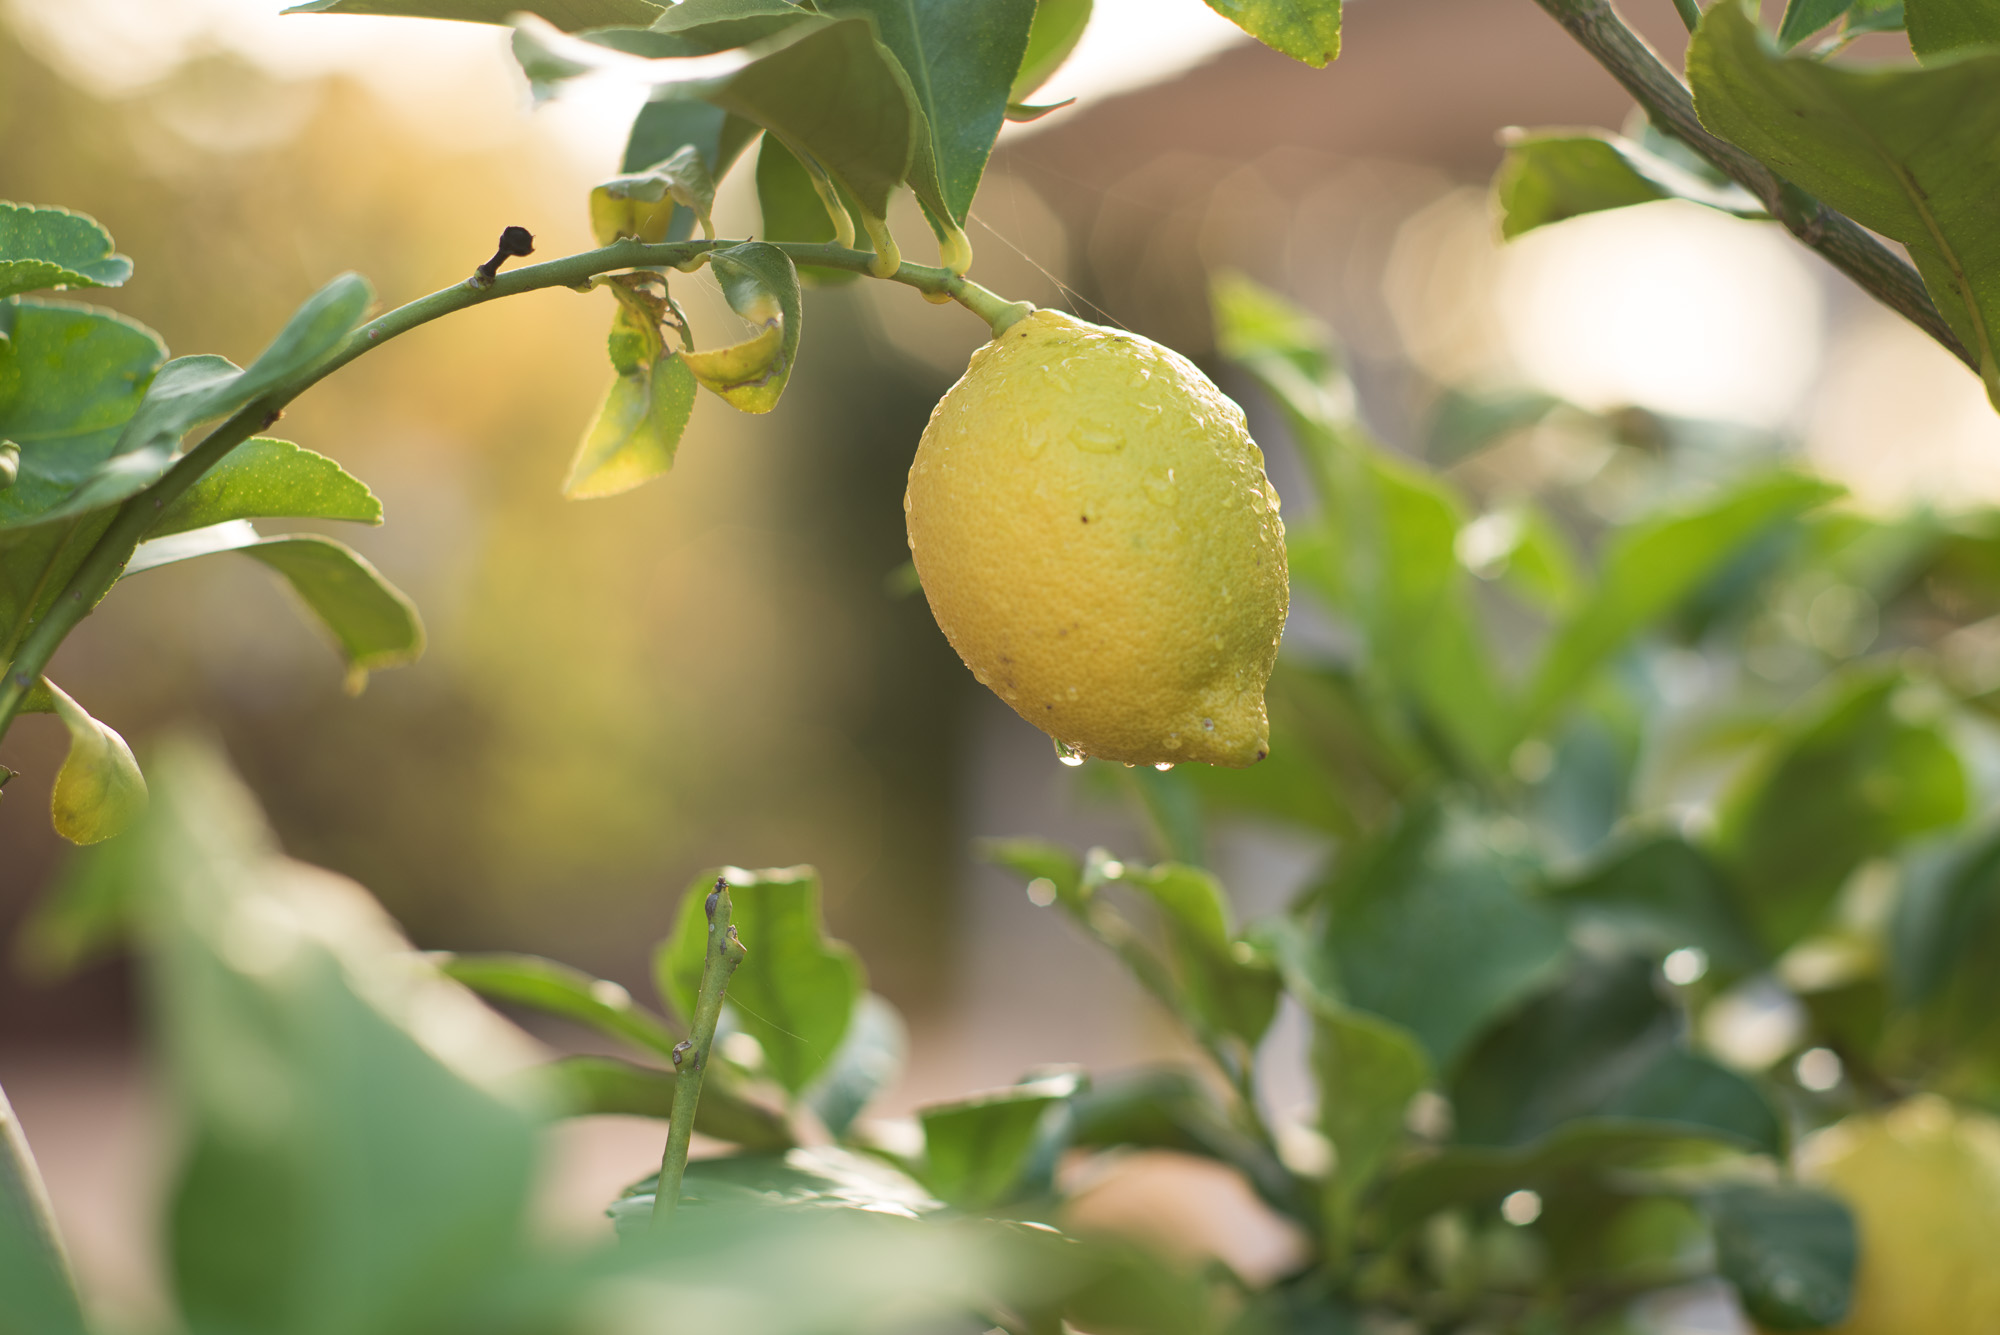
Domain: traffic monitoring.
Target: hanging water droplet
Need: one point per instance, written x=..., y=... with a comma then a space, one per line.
x=1164, y=765
x=1160, y=487
x=1208, y=724
x=1068, y=754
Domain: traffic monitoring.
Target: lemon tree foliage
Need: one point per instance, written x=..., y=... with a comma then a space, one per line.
x=1596, y=789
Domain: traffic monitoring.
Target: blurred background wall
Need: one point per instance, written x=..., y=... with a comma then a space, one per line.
x=712, y=669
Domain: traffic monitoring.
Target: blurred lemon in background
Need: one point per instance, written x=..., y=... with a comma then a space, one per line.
x=1923, y=1181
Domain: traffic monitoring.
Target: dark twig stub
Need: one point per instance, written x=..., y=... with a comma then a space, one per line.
x=514, y=242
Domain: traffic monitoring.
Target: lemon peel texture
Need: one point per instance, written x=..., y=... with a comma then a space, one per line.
x=1923, y=1180
x=1096, y=537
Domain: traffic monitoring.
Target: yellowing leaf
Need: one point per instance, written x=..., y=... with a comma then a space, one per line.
x=763, y=288
x=642, y=204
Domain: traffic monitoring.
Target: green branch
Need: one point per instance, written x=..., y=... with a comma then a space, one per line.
x=725, y=952
x=1844, y=243
x=104, y=562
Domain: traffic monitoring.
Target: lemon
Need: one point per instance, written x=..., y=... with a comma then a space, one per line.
x=1923, y=1181
x=1091, y=523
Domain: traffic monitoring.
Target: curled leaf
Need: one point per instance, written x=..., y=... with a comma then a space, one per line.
x=642, y=204
x=761, y=286
x=638, y=427
x=99, y=790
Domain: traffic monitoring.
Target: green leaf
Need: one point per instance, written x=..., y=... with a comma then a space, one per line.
x=609, y=1086
x=1790, y=1252
x=348, y=1165
x=823, y=1177
x=1658, y=894
x=1168, y=1108
x=978, y=1150
x=642, y=204
x=638, y=428
x=568, y=15
x=557, y=989
x=796, y=989
x=962, y=57
x=825, y=87
x=1854, y=779
x=1058, y=27
x=1803, y=18
x=1306, y=30
x=50, y=247
x=870, y=1059
x=662, y=129
x=1601, y=1044
x=1651, y=568
x=1368, y=1070
x=1037, y=859
x=270, y=479
x=1172, y=803
x=1584, y=1149
x=374, y=624
x=1435, y=931
x=34, y=1274
x=793, y=209
x=1941, y=27
x=190, y=390
x=763, y=288
x=1901, y=151
x=99, y=790
x=1223, y=979
x=1548, y=177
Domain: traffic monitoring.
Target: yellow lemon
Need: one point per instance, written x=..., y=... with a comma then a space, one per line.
x=1094, y=531
x=1923, y=1181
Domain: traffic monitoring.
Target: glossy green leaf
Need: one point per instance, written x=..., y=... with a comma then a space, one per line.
x=1943, y=935
x=641, y=204
x=1306, y=30
x=638, y=428
x=34, y=1273
x=609, y=1086
x=1437, y=933
x=1546, y=178
x=1222, y=979
x=1650, y=568
x=1172, y=803
x=662, y=129
x=1852, y=780
x=1942, y=27
x=761, y=286
x=190, y=390
x=346, y=1163
x=769, y=15
x=1657, y=895
x=1602, y=1044
x=568, y=15
x=270, y=479
x=825, y=87
x=1803, y=18
x=99, y=790
x=1058, y=27
x=869, y=1060
x=1901, y=151
x=794, y=210
x=374, y=624
x=977, y=1150
x=50, y=247
x=795, y=991
x=1368, y=1070
x=1790, y=1253
x=961, y=57
x=557, y=989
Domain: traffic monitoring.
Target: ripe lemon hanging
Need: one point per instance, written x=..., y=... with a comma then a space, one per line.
x=1093, y=528
x=1923, y=1181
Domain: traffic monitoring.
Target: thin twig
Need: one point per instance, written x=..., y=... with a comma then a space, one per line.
x=106, y=560
x=724, y=953
x=1843, y=242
